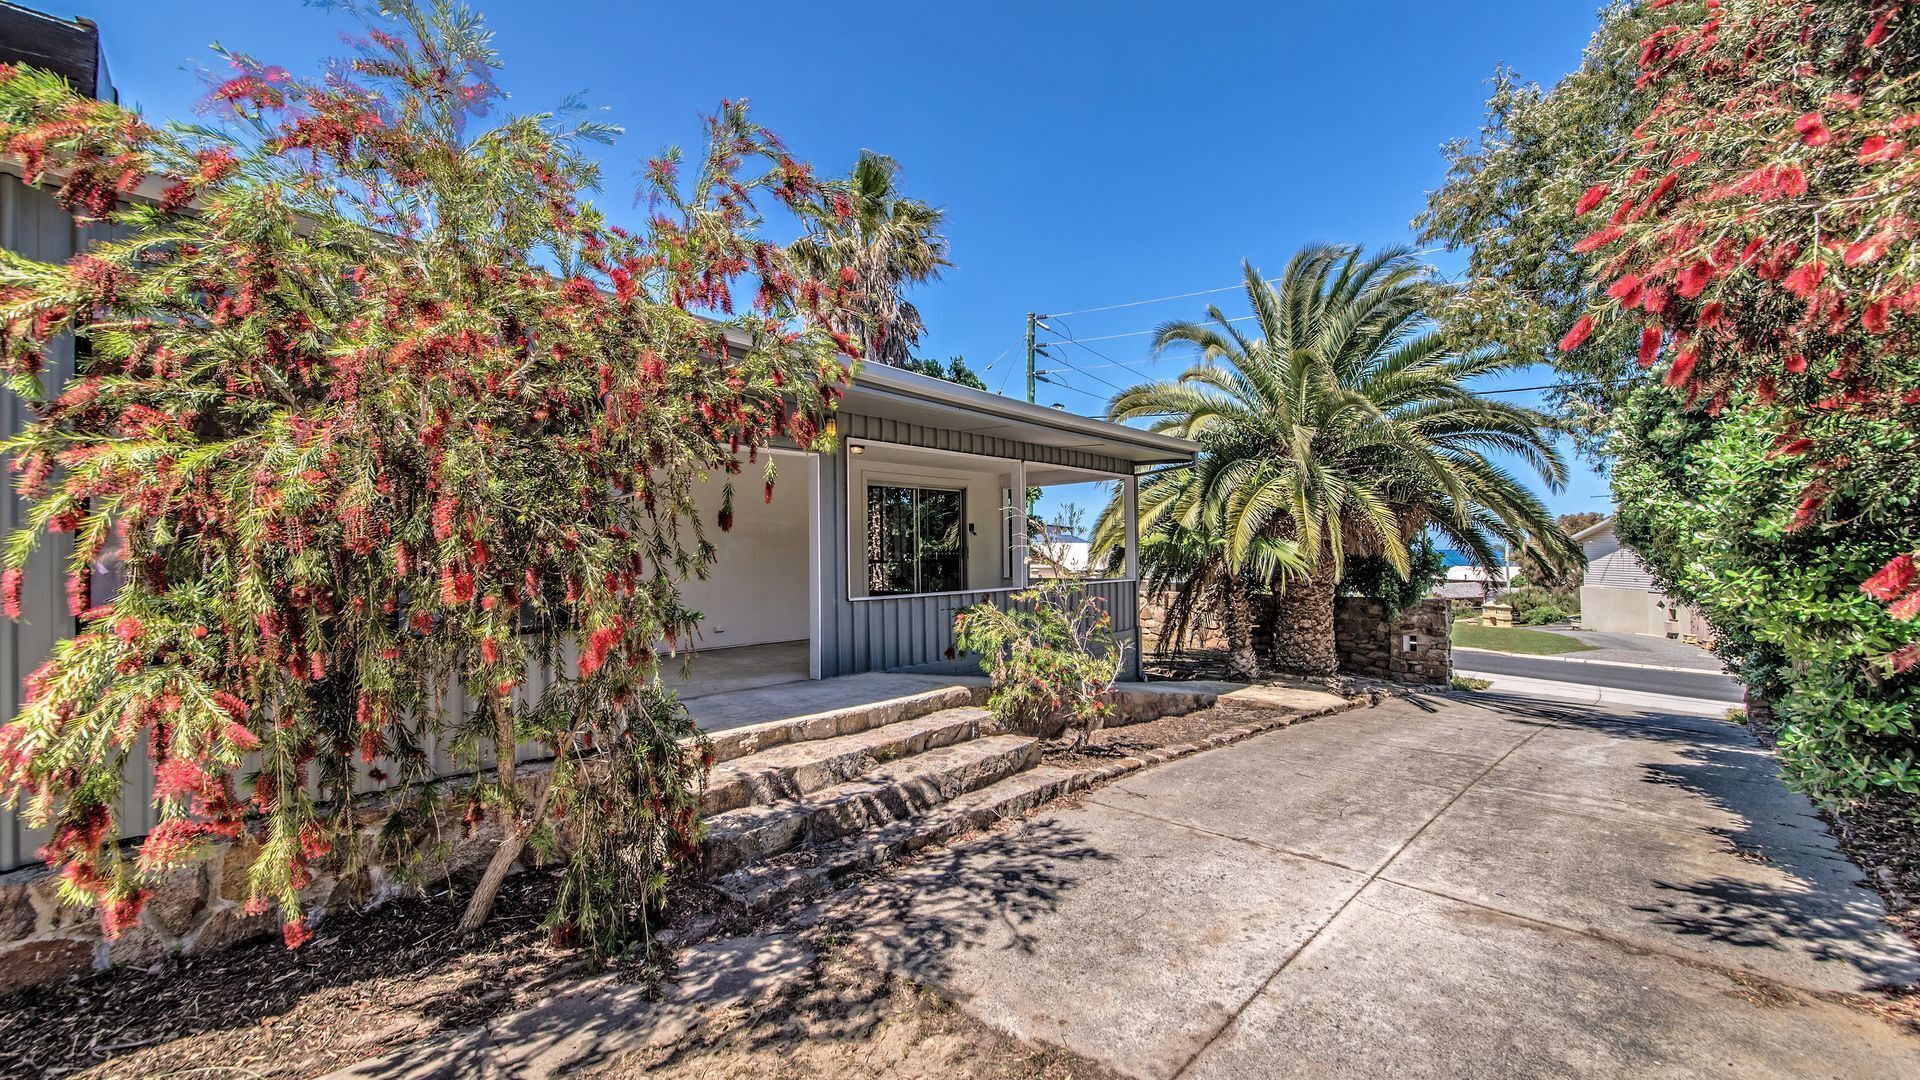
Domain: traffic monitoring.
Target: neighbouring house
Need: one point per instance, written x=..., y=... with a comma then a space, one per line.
x=1472, y=586
x=1618, y=593
x=858, y=562
x=1058, y=552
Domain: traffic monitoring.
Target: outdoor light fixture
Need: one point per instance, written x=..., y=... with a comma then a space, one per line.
x=833, y=426
x=858, y=448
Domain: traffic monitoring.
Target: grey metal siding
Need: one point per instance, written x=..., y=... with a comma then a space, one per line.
x=880, y=429
x=902, y=633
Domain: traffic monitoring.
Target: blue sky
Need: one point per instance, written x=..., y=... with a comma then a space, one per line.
x=1087, y=154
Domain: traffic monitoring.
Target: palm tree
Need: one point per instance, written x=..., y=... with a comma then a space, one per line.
x=1344, y=423
x=868, y=238
x=1184, y=556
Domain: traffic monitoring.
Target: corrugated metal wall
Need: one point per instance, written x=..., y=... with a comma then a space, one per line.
x=32, y=224
x=898, y=633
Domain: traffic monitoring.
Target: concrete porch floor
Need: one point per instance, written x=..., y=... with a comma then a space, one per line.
x=740, y=667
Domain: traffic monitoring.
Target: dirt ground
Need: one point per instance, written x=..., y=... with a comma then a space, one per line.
x=850, y=1019
x=375, y=981
x=368, y=982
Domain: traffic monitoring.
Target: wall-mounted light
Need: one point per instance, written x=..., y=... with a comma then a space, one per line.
x=857, y=448
x=833, y=427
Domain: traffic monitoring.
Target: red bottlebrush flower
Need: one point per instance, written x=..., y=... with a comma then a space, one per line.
x=1813, y=130
x=1595, y=195
x=1879, y=32
x=1693, y=280
x=1894, y=580
x=769, y=492
x=489, y=652
x=10, y=591
x=443, y=513
x=1868, y=249
x=1796, y=364
x=128, y=629
x=79, y=590
x=1905, y=608
x=241, y=739
x=1787, y=447
x=1805, y=278
x=1682, y=368
x=1875, y=316
x=296, y=933
x=1904, y=658
x=1599, y=239
x=1649, y=346
x=1578, y=335
x=121, y=912
x=726, y=521
x=1626, y=290
x=1879, y=148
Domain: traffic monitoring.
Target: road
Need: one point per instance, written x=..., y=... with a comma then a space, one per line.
x=1686, y=684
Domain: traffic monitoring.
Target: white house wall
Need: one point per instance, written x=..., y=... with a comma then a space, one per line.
x=756, y=590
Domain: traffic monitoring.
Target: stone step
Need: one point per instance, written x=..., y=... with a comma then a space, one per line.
x=799, y=874
x=893, y=792
x=801, y=768
x=734, y=731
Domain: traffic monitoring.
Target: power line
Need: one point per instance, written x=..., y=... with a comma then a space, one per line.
x=1198, y=292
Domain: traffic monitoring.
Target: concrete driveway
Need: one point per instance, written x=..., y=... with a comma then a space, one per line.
x=1497, y=887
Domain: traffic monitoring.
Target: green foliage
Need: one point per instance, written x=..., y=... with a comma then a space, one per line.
x=1708, y=504
x=1509, y=200
x=1536, y=605
x=1468, y=682
x=1052, y=656
x=379, y=404
x=953, y=371
x=1371, y=575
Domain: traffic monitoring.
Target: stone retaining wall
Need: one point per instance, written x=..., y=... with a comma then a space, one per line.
x=1414, y=648
x=1368, y=644
x=197, y=910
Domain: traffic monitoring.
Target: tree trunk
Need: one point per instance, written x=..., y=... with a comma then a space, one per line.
x=1243, y=663
x=1303, y=627
x=515, y=831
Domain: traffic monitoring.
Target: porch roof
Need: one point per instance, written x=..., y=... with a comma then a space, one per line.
x=889, y=392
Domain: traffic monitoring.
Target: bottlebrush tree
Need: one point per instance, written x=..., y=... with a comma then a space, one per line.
x=374, y=403
x=1759, y=228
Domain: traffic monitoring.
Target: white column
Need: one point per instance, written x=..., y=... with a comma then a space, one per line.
x=1017, y=523
x=1130, y=509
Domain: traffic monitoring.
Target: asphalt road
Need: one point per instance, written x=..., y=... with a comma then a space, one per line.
x=1690, y=684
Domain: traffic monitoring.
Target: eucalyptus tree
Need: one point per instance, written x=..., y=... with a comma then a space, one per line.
x=1343, y=423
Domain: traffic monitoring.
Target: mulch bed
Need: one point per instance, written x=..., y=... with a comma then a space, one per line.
x=369, y=982
x=1111, y=744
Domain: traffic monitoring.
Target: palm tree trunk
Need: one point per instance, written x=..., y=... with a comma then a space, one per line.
x=1242, y=662
x=1303, y=627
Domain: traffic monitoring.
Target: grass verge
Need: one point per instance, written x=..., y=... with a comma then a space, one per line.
x=1515, y=639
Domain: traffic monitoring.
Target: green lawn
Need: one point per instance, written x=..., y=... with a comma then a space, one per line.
x=1514, y=639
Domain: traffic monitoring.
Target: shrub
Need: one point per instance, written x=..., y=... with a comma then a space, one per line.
x=376, y=401
x=1053, y=659
x=1544, y=613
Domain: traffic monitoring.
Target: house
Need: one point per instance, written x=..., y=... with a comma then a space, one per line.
x=1058, y=552
x=866, y=553
x=1619, y=595
x=858, y=563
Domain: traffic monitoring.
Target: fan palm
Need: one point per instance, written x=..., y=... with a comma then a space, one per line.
x=1344, y=423
x=868, y=238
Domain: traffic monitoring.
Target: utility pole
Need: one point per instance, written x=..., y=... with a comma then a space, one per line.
x=1032, y=321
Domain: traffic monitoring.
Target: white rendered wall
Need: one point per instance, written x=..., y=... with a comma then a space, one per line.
x=756, y=590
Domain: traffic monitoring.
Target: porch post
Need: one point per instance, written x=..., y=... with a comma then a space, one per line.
x=1017, y=523
x=1130, y=509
